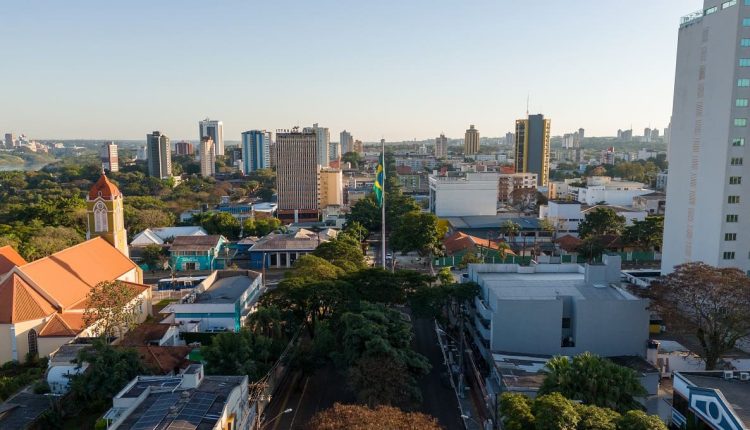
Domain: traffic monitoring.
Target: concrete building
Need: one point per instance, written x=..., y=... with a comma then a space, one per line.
x=510, y=138
x=661, y=180
x=581, y=134
x=208, y=157
x=558, y=309
x=189, y=253
x=347, y=142
x=334, y=152
x=509, y=182
x=441, y=146
x=471, y=141
x=222, y=302
x=331, y=186
x=532, y=147
x=215, y=130
x=190, y=400
x=652, y=203
x=281, y=250
x=605, y=189
x=256, y=150
x=565, y=215
x=163, y=235
x=718, y=399
x=159, y=155
x=183, y=148
x=707, y=202
x=108, y=153
x=359, y=147
x=323, y=140
x=10, y=140
x=472, y=195
x=297, y=166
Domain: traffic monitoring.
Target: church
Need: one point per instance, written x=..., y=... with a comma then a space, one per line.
x=42, y=302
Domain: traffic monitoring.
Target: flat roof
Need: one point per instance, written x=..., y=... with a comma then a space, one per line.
x=735, y=391
x=225, y=290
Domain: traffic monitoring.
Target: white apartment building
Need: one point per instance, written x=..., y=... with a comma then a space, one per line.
x=472, y=195
x=509, y=182
x=613, y=192
x=108, y=153
x=213, y=129
x=707, y=204
x=565, y=215
x=323, y=137
x=441, y=146
x=208, y=157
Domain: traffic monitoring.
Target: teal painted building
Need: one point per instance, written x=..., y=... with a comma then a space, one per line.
x=189, y=253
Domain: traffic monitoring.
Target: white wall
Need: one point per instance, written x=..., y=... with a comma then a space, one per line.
x=475, y=195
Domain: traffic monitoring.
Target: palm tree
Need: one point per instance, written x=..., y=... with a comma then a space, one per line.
x=510, y=228
x=502, y=250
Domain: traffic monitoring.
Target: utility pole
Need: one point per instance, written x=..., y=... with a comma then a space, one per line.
x=461, y=357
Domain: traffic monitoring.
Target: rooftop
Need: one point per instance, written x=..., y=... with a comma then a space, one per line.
x=227, y=290
x=302, y=240
x=195, y=243
x=735, y=391
x=491, y=222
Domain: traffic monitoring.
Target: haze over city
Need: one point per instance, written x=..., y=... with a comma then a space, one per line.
x=392, y=69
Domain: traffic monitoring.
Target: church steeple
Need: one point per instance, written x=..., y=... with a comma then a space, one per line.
x=105, y=214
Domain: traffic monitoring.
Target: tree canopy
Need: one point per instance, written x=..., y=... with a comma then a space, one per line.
x=113, y=306
x=601, y=221
x=355, y=417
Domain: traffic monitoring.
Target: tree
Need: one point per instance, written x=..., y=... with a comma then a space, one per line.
x=356, y=230
x=344, y=251
x=515, y=411
x=241, y=353
x=109, y=370
x=708, y=302
x=638, y=420
x=510, y=229
x=49, y=240
x=152, y=254
x=352, y=157
x=418, y=231
x=646, y=234
x=593, y=380
x=356, y=417
x=469, y=258
x=554, y=412
x=221, y=223
x=260, y=227
x=314, y=268
x=596, y=418
x=137, y=220
x=601, y=221
x=383, y=380
x=113, y=306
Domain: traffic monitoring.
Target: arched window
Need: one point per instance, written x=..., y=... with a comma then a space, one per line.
x=100, y=217
x=33, y=344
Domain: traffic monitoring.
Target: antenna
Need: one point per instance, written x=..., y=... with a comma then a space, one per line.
x=528, y=96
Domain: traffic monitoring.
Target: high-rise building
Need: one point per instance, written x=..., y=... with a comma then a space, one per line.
x=159, y=155
x=359, y=147
x=334, y=151
x=347, y=142
x=108, y=153
x=10, y=140
x=208, y=157
x=581, y=135
x=215, y=130
x=647, y=134
x=323, y=140
x=441, y=146
x=707, y=217
x=256, y=150
x=297, y=174
x=183, y=148
x=510, y=138
x=532, y=147
x=331, y=188
x=471, y=141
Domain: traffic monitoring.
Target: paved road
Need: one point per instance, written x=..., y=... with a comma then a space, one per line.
x=438, y=398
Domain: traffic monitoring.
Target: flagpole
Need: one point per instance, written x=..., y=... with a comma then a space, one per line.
x=382, y=207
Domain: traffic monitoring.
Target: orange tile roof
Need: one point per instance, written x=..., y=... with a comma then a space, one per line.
x=68, y=275
x=104, y=188
x=9, y=258
x=460, y=241
x=57, y=326
x=20, y=302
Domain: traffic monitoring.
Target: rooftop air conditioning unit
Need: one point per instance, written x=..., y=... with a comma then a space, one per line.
x=728, y=374
x=744, y=376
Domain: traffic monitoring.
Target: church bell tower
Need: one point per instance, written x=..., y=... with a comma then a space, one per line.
x=104, y=214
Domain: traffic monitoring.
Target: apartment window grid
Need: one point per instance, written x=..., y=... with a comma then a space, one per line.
x=745, y=43
x=733, y=200
x=730, y=237
x=738, y=141
x=736, y=161
x=729, y=3
x=743, y=83
x=728, y=255
x=740, y=122
x=746, y=22
x=741, y=103
x=744, y=62
x=735, y=180
x=733, y=218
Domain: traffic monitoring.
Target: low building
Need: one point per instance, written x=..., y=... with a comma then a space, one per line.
x=281, y=250
x=197, y=252
x=161, y=235
x=652, y=203
x=474, y=194
x=564, y=215
x=558, y=309
x=191, y=400
x=711, y=400
x=628, y=212
x=613, y=192
x=221, y=302
x=509, y=182
x=459, y=244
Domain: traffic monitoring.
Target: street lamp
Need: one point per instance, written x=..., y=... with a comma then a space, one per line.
x=481, y=426
x=285, y=411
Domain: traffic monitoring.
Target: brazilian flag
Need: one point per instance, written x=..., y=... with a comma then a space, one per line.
x=379, y=181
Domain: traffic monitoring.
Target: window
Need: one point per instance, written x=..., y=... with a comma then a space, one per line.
x=735, y=161
x=100, y=217
x=729, y=255
x=733, y=218
x=729, y=3
x=729, y=237
x=746, y=22
x=738, y=141
x=744, y=62
x=33, y=343
x=733, y=200
x=735, y=180
x=741, y=103
x=745, y=43
x=740, y=122
x=565, y=322
x=743, y=82
x=711, y=10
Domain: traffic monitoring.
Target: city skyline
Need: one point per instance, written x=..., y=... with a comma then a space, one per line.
x=401, y=83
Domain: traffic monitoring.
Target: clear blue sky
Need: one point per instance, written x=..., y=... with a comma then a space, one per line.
x=400, y=69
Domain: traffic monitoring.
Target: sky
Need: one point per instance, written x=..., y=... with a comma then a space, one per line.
x=393, y=69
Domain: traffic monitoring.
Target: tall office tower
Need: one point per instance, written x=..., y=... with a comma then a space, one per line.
x=108, y=153
x=256, y=150
x=323, y=140
x=619, y=134
x=441, y=146
x=297, y=174
x=334, y=151
x=654, y=134
x=10, y=140
x=208, y=157
x=627, y=135
x=708, y=203
x=471, y=141
x=183, y=148
x=532, y=147
x=647, y=134
x=347, y=142
x=213, y=129
x=569, y=140
x=159, y=155
x=359, y=147
x=510, y=138
x=581, y=134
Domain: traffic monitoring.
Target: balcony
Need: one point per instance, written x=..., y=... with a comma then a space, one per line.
x=690, y=18
x=483, y=331
x=482, y=309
